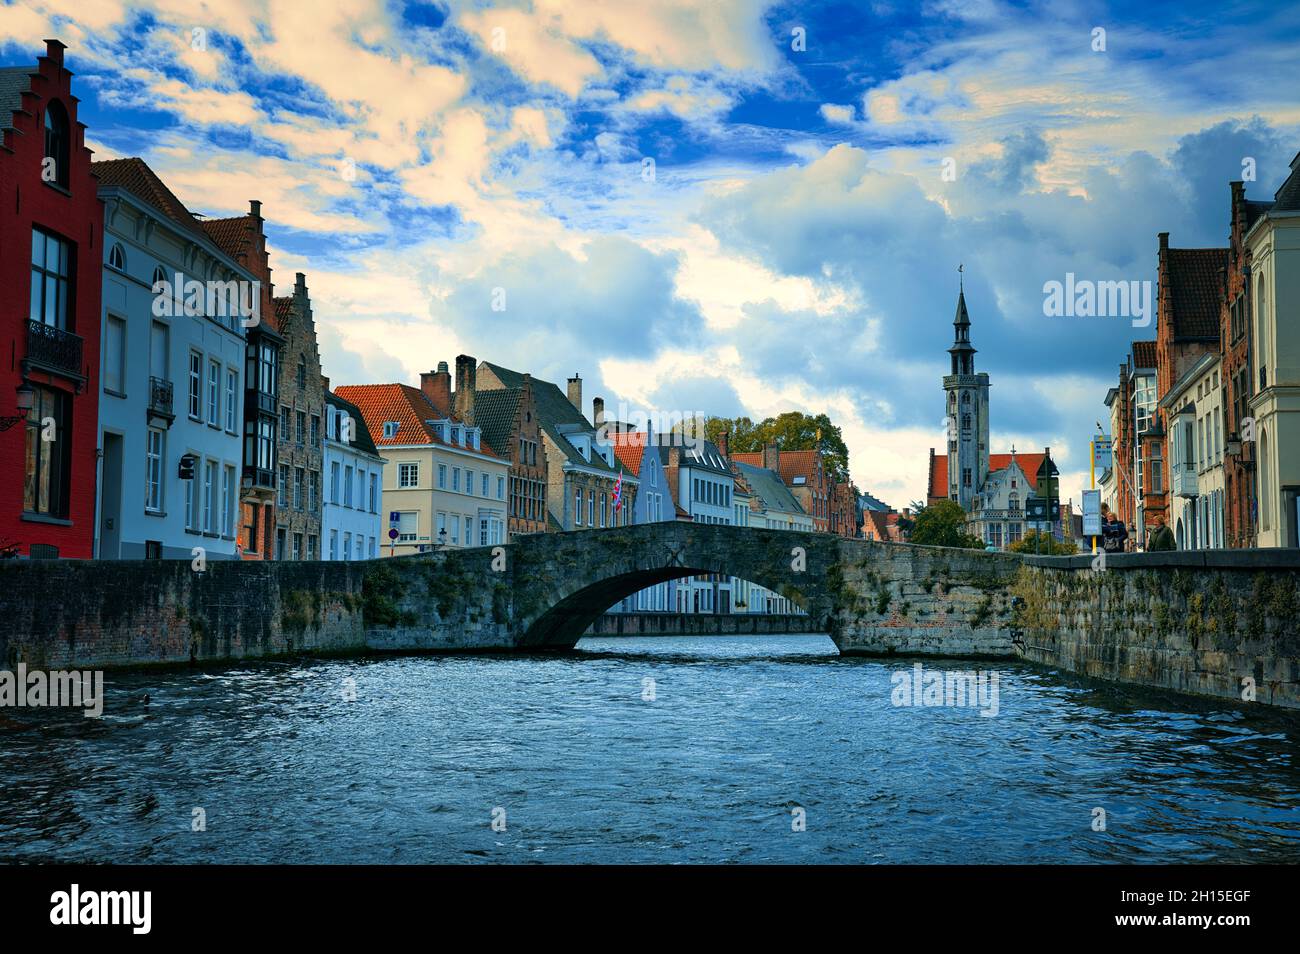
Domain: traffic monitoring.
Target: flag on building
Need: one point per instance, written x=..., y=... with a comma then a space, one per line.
x=618, y=493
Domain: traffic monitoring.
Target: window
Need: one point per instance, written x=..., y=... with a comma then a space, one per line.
x=408, y=525
x=285, y=433
x=282, y=496
x=214, y=394
x=196, y=384
x=297, y=546
x=191, y=519
x=469, y=482
x=51, y=267
x=965, y=476
x=334, y=482
x=311, y=546
x=209, y=488
x=232, y=384
x=455, y=435
x=57, y=144
x=45, y=489
x=155, y=442
x=115, y=355
x=442, y=477
x=302, y=372
x=347, y=486
x=390, y=428
x=313, y=490
x=117, y=257
x=228, y=501
x=298, y=473
x=577, y=508
x=300, y=433
x=334, y=544
x=408, y=475
x=501, y=488
x=455, y=479
x=455, y=528
x=603, y=509
x=315, y=429
x=374, y=493
x=591, y=508
x=442, y=528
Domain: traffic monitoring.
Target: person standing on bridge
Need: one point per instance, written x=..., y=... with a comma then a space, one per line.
x=1113, y=533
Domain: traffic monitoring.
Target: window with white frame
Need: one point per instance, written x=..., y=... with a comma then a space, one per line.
x=232, y=384
x=228, y=501
x=196, y=386
x=155, y=442
x=115, y=355
x=469, y=482
x=442, y=476
x=214, y=393
x=408, y=475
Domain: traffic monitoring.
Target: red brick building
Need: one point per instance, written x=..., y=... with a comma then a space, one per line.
x=804, y=472
x=243, y=238
x=1234, y=345
x=51, y=227
x=1187, y=327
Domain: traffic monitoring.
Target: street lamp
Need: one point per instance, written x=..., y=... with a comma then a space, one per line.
x=26, y=398
x=442, y=538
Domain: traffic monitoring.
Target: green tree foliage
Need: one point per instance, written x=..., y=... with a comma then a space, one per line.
x=1035, y=541
x=943, y=524
x=792, y=430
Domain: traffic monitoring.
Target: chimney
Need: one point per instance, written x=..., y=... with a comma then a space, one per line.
x=771, y=457
x=255, y=208
x=436, y=386
x=54, y=52
x=466, y=375
x=1164, y=241
x=575, y=391
x=598, y=412
x=325, y=383
x=299, y=284
x=724, y=445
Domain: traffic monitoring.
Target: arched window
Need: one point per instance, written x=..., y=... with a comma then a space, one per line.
x=117, y=257
x=302, y=371
x=56, y=144
x=965, y=397
x=1261, y=329
x=159, y=277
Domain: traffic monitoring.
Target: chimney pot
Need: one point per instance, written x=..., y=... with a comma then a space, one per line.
x=436, y=386
x=598, y=411
x=575, y=391
x=466, y=387
x=255, y=208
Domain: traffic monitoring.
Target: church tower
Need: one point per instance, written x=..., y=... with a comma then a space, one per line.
x=967, y=395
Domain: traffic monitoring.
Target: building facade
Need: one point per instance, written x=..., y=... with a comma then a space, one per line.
x=243, y=239
x=582, y=471
x=703, y=485
x=352, y=525
x=172, y=376
x=51, y=234
x=446, y=487
x=510, y=426
x=1273, y=246
x=641, y=454
x=1194, y=409
x=299, y=440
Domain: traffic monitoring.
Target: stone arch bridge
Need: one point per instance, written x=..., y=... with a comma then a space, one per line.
x=543, y=591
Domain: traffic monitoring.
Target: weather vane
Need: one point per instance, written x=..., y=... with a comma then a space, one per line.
x=961, y=285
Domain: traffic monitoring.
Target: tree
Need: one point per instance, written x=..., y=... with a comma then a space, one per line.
x=1036, y=541
x=943, y=524
x=790, y=431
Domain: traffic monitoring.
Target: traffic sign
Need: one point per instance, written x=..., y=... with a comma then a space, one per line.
x=392, y=533
x=393, y=517
x=1092, y=513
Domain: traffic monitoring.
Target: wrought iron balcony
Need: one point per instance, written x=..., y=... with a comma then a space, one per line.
x=160, y=399
x=55, y=350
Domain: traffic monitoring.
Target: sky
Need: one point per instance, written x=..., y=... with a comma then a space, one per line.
x=726, y=208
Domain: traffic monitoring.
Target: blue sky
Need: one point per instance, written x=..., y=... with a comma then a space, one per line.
x=695, y=214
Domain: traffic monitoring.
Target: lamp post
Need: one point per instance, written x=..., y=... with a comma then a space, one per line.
x=26, y=398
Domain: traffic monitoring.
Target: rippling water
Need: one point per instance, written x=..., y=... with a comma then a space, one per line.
x=740, y=732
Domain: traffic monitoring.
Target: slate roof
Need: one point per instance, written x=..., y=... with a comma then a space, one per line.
x=1194, y=284
x=494, y=412
x=135, y=176
x=554, y=410
x=14, y=81
x=938, y=489
x=361, y=439
x=769, y=488
x=872, y=503
x=1287, y=197
x=406, y=405
x=705, y=457
x=1144, y=354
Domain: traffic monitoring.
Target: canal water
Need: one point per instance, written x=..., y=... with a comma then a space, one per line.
x=712, y=749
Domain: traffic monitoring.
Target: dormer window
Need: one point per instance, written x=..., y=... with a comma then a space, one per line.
x=455, y=435
x=57, y=133
x=390, y=428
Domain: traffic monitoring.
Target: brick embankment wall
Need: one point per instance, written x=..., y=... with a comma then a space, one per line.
x=701, y=624
x=1214, y=622
x=63, y=614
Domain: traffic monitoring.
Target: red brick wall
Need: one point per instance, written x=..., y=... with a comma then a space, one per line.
x=77, y=216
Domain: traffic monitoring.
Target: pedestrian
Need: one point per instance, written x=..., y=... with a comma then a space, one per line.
x=1113, y=533
x=1161, y=538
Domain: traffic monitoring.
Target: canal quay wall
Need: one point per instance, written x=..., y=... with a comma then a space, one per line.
x=1220, y=623
x=702, y=624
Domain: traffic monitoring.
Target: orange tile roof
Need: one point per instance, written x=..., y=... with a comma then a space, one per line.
x=938, y=489
x=408, y=406
x=629, y=448
x=135, y=176
x=790, y=463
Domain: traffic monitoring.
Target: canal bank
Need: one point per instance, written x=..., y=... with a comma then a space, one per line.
x=1218, y=623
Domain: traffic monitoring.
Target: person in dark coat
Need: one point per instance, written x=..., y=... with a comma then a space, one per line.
x=1113, y=533
x=1161, y=537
